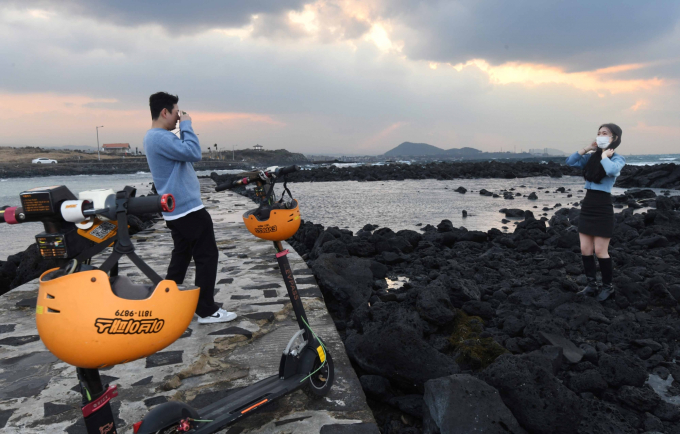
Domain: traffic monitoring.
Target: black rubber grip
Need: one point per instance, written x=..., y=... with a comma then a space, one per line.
x=145, y=205
x=223, y=187
x=2, y=216
x=282, y=171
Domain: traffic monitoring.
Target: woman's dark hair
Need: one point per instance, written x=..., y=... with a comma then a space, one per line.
x=594, y=172
x=159, y=101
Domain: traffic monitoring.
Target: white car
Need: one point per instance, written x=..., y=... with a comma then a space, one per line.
x=44, y=161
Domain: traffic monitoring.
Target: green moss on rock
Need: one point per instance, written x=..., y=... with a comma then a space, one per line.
x=474, y=351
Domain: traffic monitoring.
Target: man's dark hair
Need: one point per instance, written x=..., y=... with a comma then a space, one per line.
x=159, y=101
x=594, y=172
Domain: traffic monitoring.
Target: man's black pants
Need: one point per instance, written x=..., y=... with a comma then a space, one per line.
x=194, y=237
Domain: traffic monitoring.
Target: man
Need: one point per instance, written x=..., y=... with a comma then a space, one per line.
x=170, y=161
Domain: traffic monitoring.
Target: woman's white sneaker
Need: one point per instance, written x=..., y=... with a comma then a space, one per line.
x=220, y=316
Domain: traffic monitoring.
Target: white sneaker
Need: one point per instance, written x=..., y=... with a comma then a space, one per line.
x=220, y=316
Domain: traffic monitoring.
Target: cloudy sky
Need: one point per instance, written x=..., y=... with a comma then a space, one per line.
x=344, y=76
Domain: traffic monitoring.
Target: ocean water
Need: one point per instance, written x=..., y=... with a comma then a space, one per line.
x=634, y=160
x=411, y=204
x=648, y=160
x=15, y=238
x=350, y=204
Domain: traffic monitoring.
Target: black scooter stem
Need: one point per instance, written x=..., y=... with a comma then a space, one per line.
x=246, y=400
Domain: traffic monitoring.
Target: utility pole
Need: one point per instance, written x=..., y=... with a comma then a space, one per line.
x=97, y=128
x=232, y=152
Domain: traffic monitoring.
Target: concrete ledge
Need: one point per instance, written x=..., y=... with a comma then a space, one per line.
x=38, y=393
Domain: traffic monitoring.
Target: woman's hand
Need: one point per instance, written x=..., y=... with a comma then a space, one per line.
x=608, y=153
x=592, y=147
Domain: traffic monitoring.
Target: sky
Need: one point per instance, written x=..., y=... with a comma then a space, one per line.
x=344, y=76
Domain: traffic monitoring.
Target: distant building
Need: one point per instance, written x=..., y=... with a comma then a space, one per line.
x=258, y=147
x=547, y=152
x=116, y=148
x=312, y=157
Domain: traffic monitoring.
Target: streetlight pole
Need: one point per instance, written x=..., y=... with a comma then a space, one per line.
x=232, y=152
x=97, y=128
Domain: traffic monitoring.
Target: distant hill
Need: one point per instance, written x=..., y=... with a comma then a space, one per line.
x=423, y=151
x=409, y=149
x=414, y=149
x=463, y=152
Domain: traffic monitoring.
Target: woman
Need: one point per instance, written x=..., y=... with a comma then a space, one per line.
x=600, y=166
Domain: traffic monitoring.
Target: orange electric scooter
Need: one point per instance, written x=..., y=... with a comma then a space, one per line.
x=305, y=361
x=90, y=317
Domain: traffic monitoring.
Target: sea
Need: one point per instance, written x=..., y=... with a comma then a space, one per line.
x=649, y=160
x=409, y=204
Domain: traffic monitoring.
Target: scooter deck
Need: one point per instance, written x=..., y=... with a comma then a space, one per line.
x=243, y=401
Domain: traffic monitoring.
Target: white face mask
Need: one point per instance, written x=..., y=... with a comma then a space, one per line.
x=603, y=141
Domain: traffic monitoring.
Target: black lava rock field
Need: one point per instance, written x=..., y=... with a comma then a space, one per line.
x=485, y=332
x=657, y=176
x=440, y=171
x=654, y=176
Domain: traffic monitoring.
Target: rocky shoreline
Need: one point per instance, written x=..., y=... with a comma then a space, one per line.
x=665, y=176
x=244, y=160
x=484, y=331
x=474, y=322
x=657, y=176
x=436, y=170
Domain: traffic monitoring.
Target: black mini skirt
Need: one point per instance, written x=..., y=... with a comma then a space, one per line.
x=597, y=214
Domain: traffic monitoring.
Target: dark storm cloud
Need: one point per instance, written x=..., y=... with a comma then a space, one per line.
x=576, y=35
x=580, y=34
x=173, y=15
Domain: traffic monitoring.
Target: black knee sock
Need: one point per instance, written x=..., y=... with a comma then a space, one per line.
x=606, y=270
x=589, y=265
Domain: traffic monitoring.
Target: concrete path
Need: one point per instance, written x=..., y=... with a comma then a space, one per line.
x=39, y=393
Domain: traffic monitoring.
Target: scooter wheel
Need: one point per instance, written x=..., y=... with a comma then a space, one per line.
x=321, y=381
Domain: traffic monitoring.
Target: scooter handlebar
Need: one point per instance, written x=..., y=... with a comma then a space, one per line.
x=76, y=210
x=282, y=171
x=235, y=183
x=254, y=176
x=224, y=186
x=151, y=204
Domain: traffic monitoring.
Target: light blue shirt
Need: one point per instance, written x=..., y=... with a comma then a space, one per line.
x=612, y=167
x=170, y=159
